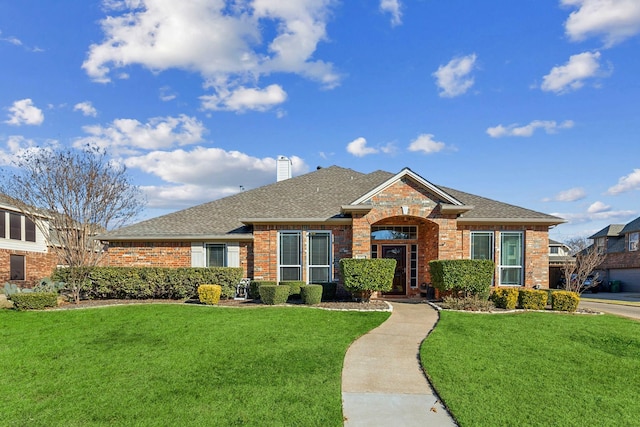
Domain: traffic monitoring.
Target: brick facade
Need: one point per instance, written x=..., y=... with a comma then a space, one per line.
x=38, y=265
x=148, y=254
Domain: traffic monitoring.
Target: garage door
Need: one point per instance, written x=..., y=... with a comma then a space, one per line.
x=630, y=278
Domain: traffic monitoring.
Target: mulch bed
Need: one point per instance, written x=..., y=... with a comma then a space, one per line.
x=373, y=305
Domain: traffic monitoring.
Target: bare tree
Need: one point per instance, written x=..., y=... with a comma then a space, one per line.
x=586, y=259
x=72, y=196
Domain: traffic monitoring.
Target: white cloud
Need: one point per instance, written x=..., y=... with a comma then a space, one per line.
x=358, y=147
x=614, y=20
x=570, y=195
x=426, y=144
x=166, y=94
x=243, y=99
x=454, y=78
x=626, y=183
x=86, y=108
x=549, y=126
x=606, y=215
x=129, y=135
x=393, y=8
x=23, y=112
x=195, y=178
x=232, y=42
x=598, y=207
x=571, y=76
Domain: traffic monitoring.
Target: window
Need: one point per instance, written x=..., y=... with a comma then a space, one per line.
x=29, y=230
x=600, y=244
x=386, y=232
x=511, y=258
x=3, y=224
x=320, y=257
x=633, y=241
x=290, y=264
x=17, y=267
x=554, y=250
x=481, y=245
x=15, y=226
x=413, y=267
x=216, y=255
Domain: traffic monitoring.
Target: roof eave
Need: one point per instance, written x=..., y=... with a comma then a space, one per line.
x=331, y=220
x=512, y=221
x=177, y=237
x=448, y=209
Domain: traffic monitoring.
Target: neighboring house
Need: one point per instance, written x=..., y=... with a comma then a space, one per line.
x=299, y=229
x=559, y=255
x=620, y=243
x=25, y=257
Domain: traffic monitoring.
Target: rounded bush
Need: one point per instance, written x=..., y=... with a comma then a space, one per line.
x=311, y=294
x=531, y=299
x=209, y=294
x=274, y=294
x=506, y=298
x=329, y=290
x=565, y=301
x=254, y=287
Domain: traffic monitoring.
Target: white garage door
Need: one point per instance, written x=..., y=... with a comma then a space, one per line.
x=629, y=277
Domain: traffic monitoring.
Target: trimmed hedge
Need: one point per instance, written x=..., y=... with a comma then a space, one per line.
x=34, y=300
x=506, y=298
x=469, y=276
x=311, y=294
x=329, y=290
x=532, y=299
x=154, y=282
x=254, y=287
x=209, y=294
x=294, y=287
x=274, y=294
x=565, y=301
x=362, y=277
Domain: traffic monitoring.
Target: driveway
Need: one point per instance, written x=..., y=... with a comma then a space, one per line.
x=626, y=304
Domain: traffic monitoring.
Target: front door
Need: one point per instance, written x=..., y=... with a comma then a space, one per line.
x=399, y=253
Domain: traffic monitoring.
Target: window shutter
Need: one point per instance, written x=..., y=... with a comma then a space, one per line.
x=197, y=254
x=233, y=254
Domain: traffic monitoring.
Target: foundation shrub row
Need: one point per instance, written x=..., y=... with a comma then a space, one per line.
x=531, y=299
x=465, y=277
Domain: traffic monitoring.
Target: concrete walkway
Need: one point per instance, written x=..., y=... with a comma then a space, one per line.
x=382, y=380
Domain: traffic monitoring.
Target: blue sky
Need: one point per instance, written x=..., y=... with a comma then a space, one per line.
x=530, y=102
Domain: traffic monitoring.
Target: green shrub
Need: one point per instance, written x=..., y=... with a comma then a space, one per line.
x=154, y=282
x=311, y=294
x=274, y=294
x=329, y=290
x=254, y=287
x=565, y=301
x=362, y=277
x=209, y=294
x=469, y=276
x=48, y=285
x=34, y=300
x=532, y=299
x=294, y=287
x=506, y=298
x=472, y=303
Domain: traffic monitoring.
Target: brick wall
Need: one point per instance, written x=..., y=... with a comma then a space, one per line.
x=148, y=254
x=37, y=266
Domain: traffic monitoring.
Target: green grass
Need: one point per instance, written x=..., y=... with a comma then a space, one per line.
x=181, y=365
x=536, y=369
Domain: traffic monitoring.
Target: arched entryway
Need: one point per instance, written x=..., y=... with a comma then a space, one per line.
x=412, y=242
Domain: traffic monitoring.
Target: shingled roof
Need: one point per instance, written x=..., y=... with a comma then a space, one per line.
x=314, y=197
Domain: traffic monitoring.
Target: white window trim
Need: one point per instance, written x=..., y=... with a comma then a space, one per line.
x=493, y=244
x=306, y=238
x=520, y=267
x=301, y=236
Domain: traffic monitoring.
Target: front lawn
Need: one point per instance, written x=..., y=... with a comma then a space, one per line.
x=536, y=369
x=176, y=365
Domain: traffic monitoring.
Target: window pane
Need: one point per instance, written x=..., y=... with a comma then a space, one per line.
x=3, y=220
x=394, y=232
x=289, y=273
x=29, y=230
x=15, y=226
x=319, y=247
x=481, y=245
x=216, y=255
x=290, y=249
x=511, y=250
x=17, y=267
x=634, y=238
x=318, y=275
x=510, y=276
